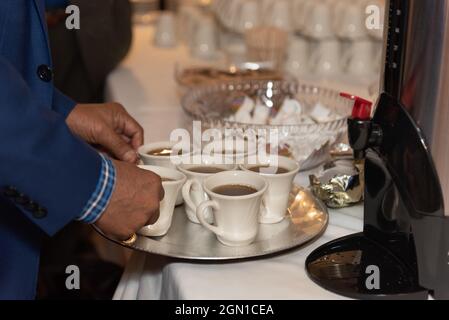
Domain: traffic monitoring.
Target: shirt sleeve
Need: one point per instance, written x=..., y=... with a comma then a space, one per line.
x=99, y=200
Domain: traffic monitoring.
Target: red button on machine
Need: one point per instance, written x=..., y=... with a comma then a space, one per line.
x=362, y=107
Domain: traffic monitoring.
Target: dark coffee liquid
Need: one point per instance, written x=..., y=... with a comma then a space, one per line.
x=269, y=170
x=163, y=152
x=208, y=170
x=234, y=190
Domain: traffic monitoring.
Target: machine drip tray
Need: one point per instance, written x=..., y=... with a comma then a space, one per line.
x=359, y=268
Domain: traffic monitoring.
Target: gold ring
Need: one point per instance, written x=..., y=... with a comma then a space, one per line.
x=131, y=240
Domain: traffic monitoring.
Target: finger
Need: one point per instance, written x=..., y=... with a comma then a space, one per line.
x=125, y=138
x=161, y=187
x=131, y=129
x=154, y=218
x=117, y=146
x=128, y=141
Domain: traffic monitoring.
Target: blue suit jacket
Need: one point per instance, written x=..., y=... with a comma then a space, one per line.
x=46, y=174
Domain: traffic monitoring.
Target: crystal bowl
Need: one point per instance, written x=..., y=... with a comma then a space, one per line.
x=309, y=144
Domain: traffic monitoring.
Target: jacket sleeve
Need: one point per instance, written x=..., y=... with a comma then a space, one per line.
x=40, y=158
x=62, y=104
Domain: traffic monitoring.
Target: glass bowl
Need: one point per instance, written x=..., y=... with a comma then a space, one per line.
x=309, y=144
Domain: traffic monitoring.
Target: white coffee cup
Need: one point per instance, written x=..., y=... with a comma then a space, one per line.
x=275, y=200
x=168, y=161
x=193, y=192
x=186, y=26
x=249, y=16
x=350, y=23
x=378, y=56
x=166, y=31
x=297, y=62
x=279, y=15
x=338, y=8
x=205, y=39
x=325, y=57
x=318, y=20
x=167, y=205
x=235, y=217
x=358, y=58
x=299, y=9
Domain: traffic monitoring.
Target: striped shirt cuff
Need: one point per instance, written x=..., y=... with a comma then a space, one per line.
x=100, y=198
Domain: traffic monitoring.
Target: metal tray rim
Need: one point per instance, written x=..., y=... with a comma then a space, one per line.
x=278, y=250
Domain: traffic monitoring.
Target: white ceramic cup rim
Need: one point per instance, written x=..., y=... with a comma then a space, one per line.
x=143, y=150
x=293, y=163
x=185, y=168
x=165, y=172
x=249, y=175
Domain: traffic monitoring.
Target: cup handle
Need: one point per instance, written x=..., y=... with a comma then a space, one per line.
x=263, y=209
x=186, y=193
x=200, y=215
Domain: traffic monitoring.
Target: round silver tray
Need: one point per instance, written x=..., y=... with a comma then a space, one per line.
x=306, y=220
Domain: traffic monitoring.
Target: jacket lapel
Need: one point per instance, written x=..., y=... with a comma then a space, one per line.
x=40, y=7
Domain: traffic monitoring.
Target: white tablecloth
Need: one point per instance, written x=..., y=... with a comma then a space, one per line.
x=150, y=277
x=145, y=85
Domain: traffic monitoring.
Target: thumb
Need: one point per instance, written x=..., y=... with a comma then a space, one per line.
x=117, y=146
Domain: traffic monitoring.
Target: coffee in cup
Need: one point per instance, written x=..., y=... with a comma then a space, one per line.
x=268, y=169
x=162, y=152
x=206, y=169
x=234, y=190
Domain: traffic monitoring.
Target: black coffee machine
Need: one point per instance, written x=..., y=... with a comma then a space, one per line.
x=403, y=251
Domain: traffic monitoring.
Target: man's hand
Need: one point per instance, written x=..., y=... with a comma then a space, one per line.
x=109, y=126
x=134, y=203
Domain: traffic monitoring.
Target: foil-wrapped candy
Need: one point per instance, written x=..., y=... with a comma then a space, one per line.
x=341, y=183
